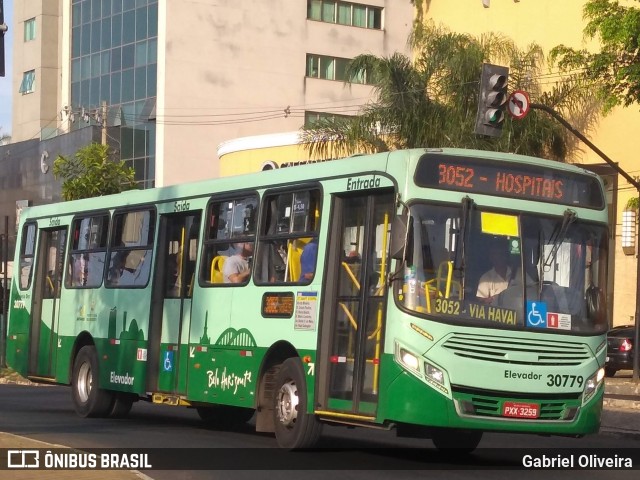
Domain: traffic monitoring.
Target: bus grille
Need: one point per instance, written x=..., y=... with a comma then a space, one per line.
x=489, y=406
x=521, y=351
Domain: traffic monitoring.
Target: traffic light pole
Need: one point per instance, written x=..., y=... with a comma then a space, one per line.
x=4, y=311
x=632, y=181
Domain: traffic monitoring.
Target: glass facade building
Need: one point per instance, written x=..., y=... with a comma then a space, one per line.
x=114, y=45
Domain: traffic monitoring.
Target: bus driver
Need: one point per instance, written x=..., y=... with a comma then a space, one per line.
x=497, y=279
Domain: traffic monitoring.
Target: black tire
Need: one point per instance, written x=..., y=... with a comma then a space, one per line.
x=609, y=372
x=454, y=440
x=294, y=427
x=121, y=407
x=224, y=416
x=88, y=399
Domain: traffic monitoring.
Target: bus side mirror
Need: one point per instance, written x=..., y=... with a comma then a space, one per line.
x=399, y=236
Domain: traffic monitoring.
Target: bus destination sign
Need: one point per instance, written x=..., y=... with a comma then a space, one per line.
x=508, y=179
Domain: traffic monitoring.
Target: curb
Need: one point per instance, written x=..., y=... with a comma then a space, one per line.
x=620, y=432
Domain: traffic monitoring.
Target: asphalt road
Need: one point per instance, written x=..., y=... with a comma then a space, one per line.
x=45, y=413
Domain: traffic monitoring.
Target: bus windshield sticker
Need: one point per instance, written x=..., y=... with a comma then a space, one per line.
x=536, y=314
x=306, y=303
x=499, y=224
x=560, y=321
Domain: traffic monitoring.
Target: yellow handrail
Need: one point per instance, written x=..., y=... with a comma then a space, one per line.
x=378, y=330
x=353, y=322
x=350, y=273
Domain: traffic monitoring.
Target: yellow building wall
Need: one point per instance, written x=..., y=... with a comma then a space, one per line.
x=550, y=23
x=249, y=161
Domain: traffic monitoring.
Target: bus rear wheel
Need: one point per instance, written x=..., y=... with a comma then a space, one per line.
x=294, y=427
x=456, y=440
x=121, y=405
x=88, y=399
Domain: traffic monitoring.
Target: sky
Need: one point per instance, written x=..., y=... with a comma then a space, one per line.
x=5, y=82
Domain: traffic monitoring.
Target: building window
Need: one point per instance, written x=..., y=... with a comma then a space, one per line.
x=30, y=29
x=345, y=13
x=332, y=68
x=28, y=82
x=310, y=118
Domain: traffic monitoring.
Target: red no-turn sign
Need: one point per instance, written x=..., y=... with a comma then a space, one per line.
x=518, y=104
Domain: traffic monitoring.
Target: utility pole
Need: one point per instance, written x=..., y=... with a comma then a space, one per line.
x=104, y=122
x=3, y=30
x=632, y=181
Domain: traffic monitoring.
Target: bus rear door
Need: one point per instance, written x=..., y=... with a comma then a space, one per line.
x=46, y=302
x=352, y=329
x=171, y=307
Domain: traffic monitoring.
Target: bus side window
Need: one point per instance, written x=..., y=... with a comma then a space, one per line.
x=231, y=223
x=131, y=249
x=27, y=251
x=289, y=228
x=88, y=251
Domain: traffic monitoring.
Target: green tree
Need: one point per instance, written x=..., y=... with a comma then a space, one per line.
x=432, y=101
x=615, y=69
x=92, y=172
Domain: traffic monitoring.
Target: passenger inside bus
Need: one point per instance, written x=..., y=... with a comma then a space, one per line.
x=308, y=261
x=236, y=268
x=495, y=280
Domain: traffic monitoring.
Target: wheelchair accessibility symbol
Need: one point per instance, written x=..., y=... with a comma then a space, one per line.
x=536, y=314
x=168, y=361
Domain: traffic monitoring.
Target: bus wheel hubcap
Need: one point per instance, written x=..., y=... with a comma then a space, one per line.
x=287, y=404
x=84, y=382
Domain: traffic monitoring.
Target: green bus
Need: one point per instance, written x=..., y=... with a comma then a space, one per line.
x=358, y=291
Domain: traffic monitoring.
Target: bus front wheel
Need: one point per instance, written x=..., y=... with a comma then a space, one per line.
x=294, y=427
x=88, y=399
x=456, y=440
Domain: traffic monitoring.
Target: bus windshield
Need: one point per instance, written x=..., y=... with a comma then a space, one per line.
x=493, y=269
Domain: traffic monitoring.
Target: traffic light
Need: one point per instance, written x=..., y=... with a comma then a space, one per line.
x=492, y=100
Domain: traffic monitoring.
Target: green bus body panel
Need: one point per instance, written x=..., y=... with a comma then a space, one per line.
x=18, y=332
x=212, y=347
x=120, y=368
x=408, y=401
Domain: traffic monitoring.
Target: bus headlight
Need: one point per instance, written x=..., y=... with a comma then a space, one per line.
x=407, y=359
x=434, y=373
x=592, y=384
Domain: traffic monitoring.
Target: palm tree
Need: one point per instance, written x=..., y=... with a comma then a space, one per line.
x=432, y=101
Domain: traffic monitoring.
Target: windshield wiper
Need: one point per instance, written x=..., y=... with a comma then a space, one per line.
x=556, y=239
x=465, y=222
x=558, y=236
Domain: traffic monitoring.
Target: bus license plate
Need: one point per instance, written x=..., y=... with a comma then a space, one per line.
x=520, y=410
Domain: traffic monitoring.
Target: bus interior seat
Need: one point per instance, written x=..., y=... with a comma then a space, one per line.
x=294, y=253
x=217, y=264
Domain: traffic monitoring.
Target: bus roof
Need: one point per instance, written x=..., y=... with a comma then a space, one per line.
x=303, y=173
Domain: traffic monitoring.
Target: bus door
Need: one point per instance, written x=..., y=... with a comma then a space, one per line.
x=351, y=341
x=175, y=279
x=46, y=302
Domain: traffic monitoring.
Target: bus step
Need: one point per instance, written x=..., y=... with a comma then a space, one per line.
x=173, y=400
x=36, y=379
